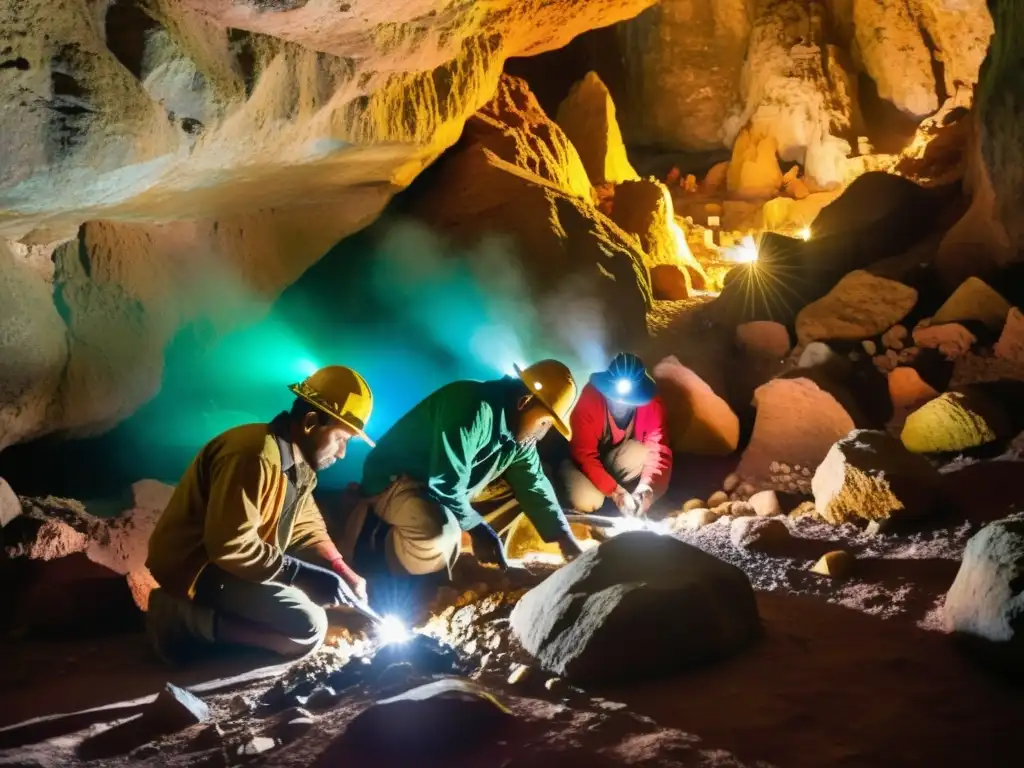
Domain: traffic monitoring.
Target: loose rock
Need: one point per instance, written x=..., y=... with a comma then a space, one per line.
x=763, y=337
x=955, y=421
x=730, y=483
x=695, y=519
x=445, y=718
x=765, y=504
x=256, y=746
x=175, y=709
x=758, y=533
x=951, y=339
x=694, y=504
x=796, y=421
x=683, y=606
x=860, y=306
x=519, y=674
x=741, y=509
x=974, y=300
x=908, y=392
x=699, y=420
x=717, y=499
x=895, y=337
x=837, y=564
x=985, y=605
x=870, y=475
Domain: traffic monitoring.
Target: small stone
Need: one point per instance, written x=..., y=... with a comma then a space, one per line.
x=730, y=483
x=746, y=490
x=758, y=533
x=951, y=339
x=209, y=737
x=1011, y=342
x=717, y=499
x=876, y=527
x=837, y=564
x=765, y=504
x=806, y=472
x=257, y=746
x=785, y=469
x=520, y=673
x=293, y=723
x=554, y=684
x=144, y=752
x=239, y=705
x=895, y=337
x=176, y=709
x=742, y=509
x=763, y=337
x=805, y=509
x=694, y=504
x=323, y=696
x=695, y=519
x=870, y=347
x=773, y=467
x=722, y=510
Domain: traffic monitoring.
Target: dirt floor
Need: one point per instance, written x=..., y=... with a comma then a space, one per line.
x=849, y=673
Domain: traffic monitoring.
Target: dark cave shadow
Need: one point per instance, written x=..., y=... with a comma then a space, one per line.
x=817, y=660
x=121, y=679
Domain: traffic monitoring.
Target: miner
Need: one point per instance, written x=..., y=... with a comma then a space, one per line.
x=241, y=553
x=619, y=449
x=420, y=483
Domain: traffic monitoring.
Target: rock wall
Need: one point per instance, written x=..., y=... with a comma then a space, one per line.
x=173, y=160
x=699, y=71
x=684, y=61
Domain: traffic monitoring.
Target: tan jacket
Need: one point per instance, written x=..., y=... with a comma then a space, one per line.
x=227, y=509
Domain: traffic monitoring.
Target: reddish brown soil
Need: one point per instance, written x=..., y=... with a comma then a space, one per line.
x=855, y=673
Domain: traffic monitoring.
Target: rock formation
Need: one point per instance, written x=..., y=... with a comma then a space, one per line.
x=871, y=476
x=196, y=157
x=683, y=606
x=699, y=420
x=587, y=115
x=859, y=307
x=515, y=173
x=985, y=606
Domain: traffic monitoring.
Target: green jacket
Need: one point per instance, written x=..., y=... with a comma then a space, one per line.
x=456, y=442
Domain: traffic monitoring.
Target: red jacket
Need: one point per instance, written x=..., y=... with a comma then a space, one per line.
x=589, y=422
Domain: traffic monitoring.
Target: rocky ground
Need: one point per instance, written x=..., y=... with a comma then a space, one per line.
x=852, y=671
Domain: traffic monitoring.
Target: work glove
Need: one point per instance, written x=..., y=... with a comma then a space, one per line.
x=624, y=501
x=643, y=497
x=322, y=586
x=487, y=546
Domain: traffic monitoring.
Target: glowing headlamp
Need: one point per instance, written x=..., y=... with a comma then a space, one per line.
x=623, y=386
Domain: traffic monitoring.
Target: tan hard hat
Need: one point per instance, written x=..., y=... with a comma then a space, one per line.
x=552, y=383
x=342, y=394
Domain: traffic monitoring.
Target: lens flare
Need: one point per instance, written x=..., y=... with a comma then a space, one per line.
x=623, y=386
x=805, y=233
x=744, y=252
x=392, y=630
x=306, y=367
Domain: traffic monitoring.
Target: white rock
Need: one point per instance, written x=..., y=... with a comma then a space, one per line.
x=765, y=504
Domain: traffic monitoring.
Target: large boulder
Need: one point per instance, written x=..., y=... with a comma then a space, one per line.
x=573, y=260
x=639, y=590
x=10, y=505
x=699, y=420
x=860, y=306
x=796, y=425
x=763, y=337
x=869, y=475
x=644, y=208
x=974, y=300
x=985, y=605
x=587, y=115
x=977, y=415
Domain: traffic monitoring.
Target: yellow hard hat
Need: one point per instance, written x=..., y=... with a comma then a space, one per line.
x=552, y=383
x=342, y=394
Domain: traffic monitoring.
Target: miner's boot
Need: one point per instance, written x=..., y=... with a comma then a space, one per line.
x=178, y=629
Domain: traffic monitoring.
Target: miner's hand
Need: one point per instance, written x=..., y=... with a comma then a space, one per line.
x=624, y=501
x=487, y=546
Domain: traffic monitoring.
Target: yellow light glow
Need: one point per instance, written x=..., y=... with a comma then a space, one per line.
x=805, y=233
x=744, y=252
